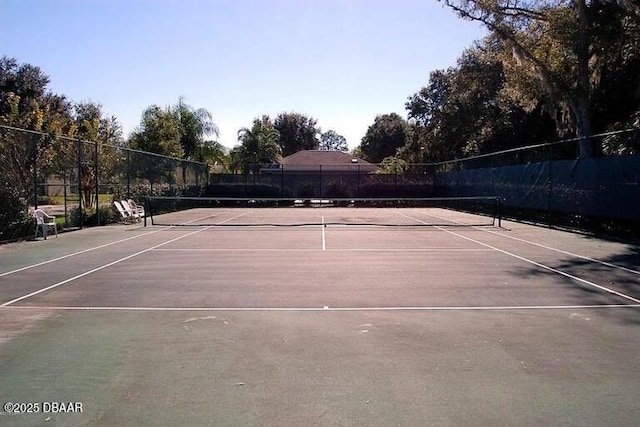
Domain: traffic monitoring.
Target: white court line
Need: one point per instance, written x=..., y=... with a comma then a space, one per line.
x=537, y=264
x=608, y=264
x=326, y=308
x=77, y=253
x=86, y=273
x=324, y=240
x=328, y=250
x=88, y=250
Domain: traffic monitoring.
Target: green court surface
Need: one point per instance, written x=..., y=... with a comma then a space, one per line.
x=326, y=324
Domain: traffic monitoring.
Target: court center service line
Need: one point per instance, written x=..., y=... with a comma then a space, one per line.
x=537, y=264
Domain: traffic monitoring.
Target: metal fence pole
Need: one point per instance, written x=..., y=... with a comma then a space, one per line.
x=550, y=186
x=96, y=173
x=64, y=189
x=184, y=175
x=128, y=173
x=34, y=160
x=80, y=214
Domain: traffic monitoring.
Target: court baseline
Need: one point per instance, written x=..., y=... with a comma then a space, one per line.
x=327, y=308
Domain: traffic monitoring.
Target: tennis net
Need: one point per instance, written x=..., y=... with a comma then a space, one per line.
x=225, y=211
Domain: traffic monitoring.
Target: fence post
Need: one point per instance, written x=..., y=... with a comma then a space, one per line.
x=96, y=172
x=549, y=186
x=184, y=174
x=128, y=173
x=64, y=189
x=281, y=180
x=80, y=214
x=34, y=160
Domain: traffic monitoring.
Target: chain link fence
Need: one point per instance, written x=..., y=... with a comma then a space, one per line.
x=548, y=184
x=324, y=182
x=77, y=180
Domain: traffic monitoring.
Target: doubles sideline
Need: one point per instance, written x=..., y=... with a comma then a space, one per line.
x=586, y=258
x=537, y=264
x=86, y=273
x=96, y=247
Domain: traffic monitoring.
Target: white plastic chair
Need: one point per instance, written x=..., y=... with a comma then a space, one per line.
x=126, y=217
x=133, y=213
x=44, y=221
x=136, y=207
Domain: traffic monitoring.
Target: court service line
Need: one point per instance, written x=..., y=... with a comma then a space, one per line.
x=327, y=308
x=77, y=253
x=586, y=258
x=537, y=264
x=328, y=250
x=89, y=250
x=102, y=267
x=86, y=273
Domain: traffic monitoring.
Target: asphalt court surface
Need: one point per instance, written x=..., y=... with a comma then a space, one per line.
x=332, y=325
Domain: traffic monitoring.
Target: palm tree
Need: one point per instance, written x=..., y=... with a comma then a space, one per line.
x=195, y=126
x=258, y=145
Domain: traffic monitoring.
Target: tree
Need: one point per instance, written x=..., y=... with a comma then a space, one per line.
x=392, y=166
x=297, y=132
x=215, y=155
x=552, y=54
x=26, y=103
x=195, y=126
x=463, y=111
x=159, y=132
x=258, y=145
x=332, y=141
x=616, y=97
x=384, y=137
x=91, y=124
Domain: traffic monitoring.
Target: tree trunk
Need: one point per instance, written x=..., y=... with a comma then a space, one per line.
x=582, y=108
x=583, y=128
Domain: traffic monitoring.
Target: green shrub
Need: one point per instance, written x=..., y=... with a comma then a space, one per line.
x=15, y=221
x=89, y=217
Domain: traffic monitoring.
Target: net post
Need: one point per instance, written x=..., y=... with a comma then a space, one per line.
x=499, y=211
x=145, y=211
x=148, y=212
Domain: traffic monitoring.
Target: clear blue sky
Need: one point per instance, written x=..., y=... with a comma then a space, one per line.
x=340, y=61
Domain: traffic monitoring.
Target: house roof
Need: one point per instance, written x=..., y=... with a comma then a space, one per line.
x=329, y=160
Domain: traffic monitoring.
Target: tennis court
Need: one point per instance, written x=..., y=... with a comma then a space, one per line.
x=343, y=316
